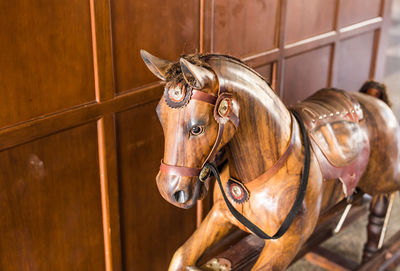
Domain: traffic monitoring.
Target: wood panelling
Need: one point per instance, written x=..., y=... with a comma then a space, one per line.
x=151, y=228
x=355, y=11
x=85, y=198
x=165, y=28
x=305, y=74
x=308, y=18
x=354, y=62
x=102, y=49
x=50, y=204
x=109, y=191
x=243, y=27
x=266, y=72
x=46, y=60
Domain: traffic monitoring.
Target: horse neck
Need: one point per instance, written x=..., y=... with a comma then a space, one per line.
x=265, y=123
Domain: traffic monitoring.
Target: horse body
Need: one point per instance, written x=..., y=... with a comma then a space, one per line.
x=266, y=128
x=382, y=174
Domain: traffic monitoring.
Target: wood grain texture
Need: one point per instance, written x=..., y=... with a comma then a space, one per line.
x=306, y=73
x=264, y=118
x=166, y=28
x=308, y=18
x=102, y=49
x=355, y=11
x=151, y=229
x=51, y=51
x=47, y=58
x=243, y=28
x=109, y=192
x=266, y=71
x=51, y=205
x=355, y=56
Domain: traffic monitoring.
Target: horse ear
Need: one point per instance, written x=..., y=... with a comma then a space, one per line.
x=156, y=65
x=196, y=76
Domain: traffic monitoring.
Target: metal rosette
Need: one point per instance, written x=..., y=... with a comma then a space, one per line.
x=223, y=107
x=177, y=96
x=237, y=191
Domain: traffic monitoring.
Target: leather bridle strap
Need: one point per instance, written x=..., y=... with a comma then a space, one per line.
x=179, y=171
x=204, y=97
x=214, y=149
x=278, y=164
x=297, y=203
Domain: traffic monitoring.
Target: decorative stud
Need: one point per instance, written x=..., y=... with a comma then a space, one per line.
x=178, y=95
x=237, y=191
x=224, y=107
x=204, y=174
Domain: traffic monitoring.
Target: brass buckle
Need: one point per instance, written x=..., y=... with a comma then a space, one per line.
x=204, y=174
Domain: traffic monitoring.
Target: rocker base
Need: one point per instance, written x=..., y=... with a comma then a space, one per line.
x=242, y=250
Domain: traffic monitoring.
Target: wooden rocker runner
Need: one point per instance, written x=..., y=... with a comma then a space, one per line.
x=287, y=166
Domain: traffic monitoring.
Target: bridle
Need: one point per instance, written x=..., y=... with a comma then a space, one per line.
x=223, y=112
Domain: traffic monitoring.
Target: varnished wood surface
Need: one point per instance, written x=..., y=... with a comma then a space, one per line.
x=355, y=53
x=265, y=126
x=318, y=18
x=329, y=260
x=28, y=55
x=355, y=11
x=242, y=251
x=169, y=28
x=50, y=200
x=247, y=20
x=318, y=62
x=59, y=58
x=151, y=229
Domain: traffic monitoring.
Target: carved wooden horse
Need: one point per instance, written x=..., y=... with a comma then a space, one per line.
x=277, y=185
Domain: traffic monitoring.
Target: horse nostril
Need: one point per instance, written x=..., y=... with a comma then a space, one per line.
x=180, y=196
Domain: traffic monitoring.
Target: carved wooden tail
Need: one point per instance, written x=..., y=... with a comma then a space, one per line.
x=377, y=90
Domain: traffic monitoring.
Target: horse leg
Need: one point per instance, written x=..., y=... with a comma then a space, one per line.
x=211, y=230
x=376, y=219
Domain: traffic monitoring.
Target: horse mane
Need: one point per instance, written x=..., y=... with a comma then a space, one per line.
x=174, y=71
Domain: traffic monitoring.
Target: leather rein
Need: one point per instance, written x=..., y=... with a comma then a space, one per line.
x=207, y=168
x=299, y=197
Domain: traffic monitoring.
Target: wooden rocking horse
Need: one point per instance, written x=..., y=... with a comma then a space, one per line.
x=286, y=165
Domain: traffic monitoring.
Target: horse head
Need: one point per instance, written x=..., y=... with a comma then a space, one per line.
x=197, y=118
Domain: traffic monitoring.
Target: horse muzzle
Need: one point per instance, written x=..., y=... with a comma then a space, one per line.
x=181, y=191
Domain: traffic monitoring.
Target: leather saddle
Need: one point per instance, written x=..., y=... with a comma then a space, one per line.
x=342, y=148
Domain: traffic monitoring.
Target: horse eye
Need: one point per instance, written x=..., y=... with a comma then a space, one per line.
x=196, y=130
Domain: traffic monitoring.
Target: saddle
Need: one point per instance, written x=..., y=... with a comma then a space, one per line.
x=342, y=148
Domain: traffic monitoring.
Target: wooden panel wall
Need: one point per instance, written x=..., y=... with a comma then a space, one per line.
x=80, y=143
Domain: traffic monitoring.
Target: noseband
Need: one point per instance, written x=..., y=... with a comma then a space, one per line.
x=223, y=112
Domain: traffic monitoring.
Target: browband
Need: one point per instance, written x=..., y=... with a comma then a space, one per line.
x=204, y=97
